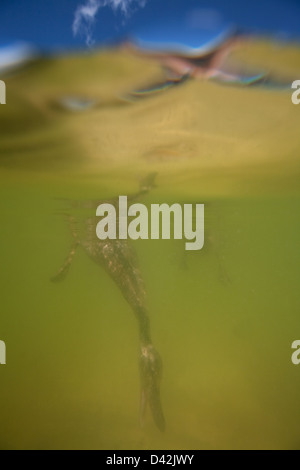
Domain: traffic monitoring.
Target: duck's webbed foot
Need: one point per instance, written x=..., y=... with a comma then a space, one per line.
x=151, y=370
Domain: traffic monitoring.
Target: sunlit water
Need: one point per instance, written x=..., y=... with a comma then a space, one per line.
x=223, y=318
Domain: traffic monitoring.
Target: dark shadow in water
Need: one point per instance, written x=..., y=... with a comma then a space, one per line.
x=119, y=260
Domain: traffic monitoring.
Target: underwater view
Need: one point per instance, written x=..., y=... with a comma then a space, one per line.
x=142, y=344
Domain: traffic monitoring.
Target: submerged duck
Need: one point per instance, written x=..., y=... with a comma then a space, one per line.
x=119, y=260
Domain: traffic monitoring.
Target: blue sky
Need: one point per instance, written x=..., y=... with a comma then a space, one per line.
x=48, y=23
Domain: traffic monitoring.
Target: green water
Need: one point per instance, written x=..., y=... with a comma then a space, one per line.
x=223, y=318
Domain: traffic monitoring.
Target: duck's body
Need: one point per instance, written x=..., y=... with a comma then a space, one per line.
x=119, y=260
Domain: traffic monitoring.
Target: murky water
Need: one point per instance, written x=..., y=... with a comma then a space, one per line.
x=223, y=319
